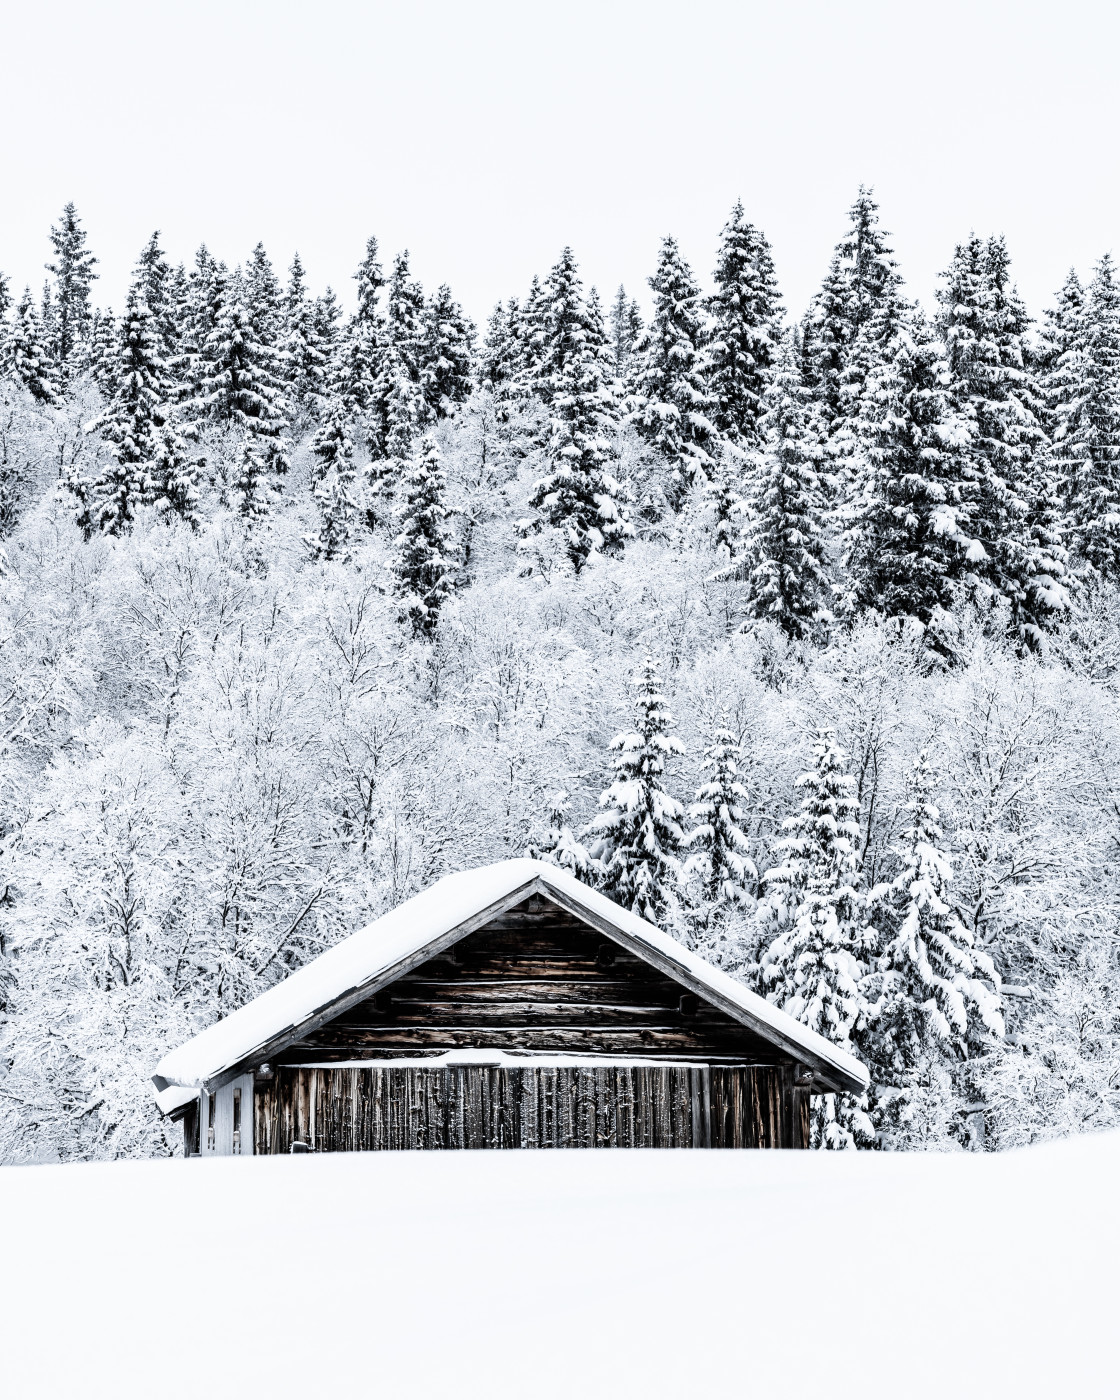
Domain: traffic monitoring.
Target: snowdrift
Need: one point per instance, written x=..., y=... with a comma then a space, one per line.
x=565, y=1274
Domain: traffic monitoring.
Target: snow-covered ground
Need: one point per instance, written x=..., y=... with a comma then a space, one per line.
x=566, y=1274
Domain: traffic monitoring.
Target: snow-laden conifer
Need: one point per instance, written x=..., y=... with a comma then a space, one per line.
x=358, y=360
x=334, y=484
x=131, y=425
x=931, y=988
x=447, y=356
x=578, y=495
x=910, y=532
x=782, y=550
x=852, y=316
x=27, y=357
x=1084, y=389
x=639, y=829
x=674, y=404
x=422, y=560
x=103, y=358
x=304, y=355
x=719, y=851
x=560, y=846
x=812, y=969
x=626, y=331
x=745, y=336
x=991, y=382
x=72, y=266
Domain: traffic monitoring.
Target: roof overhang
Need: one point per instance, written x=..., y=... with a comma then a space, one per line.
x=434, y=921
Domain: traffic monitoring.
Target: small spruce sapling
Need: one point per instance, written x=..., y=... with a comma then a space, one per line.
x=639, y=829
x=812, y=969
x=423, y=563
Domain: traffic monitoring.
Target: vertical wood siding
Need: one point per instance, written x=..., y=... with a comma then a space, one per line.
x=472, y=1106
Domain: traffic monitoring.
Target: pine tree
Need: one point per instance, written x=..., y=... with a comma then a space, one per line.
x=240, y=386
x=304, y=357
x=812, y=968
x=745, y=341
x=5, y=298
x=253, y=491
x=720, y=851
x=104, y=351
x=27, y=358
x=359, y=352
x=334, y=484
x=529, y=331
x=990, y=382
x=447, y=364
x=853, y=316
x=674, y=403
x=909, y=541
x=783, y=549
x=398, y=410
x=500, y=361
x=638, y=830
x=560, y=846
x=1085, y=390
x=577, y=495
x=626, y=332
x=263, y=302
x=422, y=562
x=73, y=270
x=154, y=281
x=133, y=421
x=928, y=991
x=175, y=473
x=206, y=291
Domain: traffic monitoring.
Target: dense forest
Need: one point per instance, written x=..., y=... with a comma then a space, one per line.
x=798, y=635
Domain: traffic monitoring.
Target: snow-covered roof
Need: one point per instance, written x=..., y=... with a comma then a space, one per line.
x=430, y=923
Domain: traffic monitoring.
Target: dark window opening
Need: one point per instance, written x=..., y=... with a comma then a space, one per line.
x=237, y=1120
x=211, y=1114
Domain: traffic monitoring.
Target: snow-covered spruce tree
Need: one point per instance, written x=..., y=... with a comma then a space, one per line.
x=205, y=293
x=397, y=410
x=626, y=332
x=358, y=359
x=745, y=343
x=422, y=561
x=27, y=357
x=73, y=271
x=909, y=538
x=674, y=404
x=305, y=358
x=719, y=856
x=1084, y=390
x=851, y=316
x=154, y=281
x=528, y=328
x=334, y=484
x=560, y=846
x=578, y=495
x=175, y=471
x=783, y=545
x=241, y=391
x=263, y=302
x=447, y=356
x=638, y=832
x=985, y=326
x=932, y=993
x=132, y=422
x=812, y=969
x=103, y=359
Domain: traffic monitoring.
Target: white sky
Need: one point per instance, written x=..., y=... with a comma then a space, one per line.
x=485, y=134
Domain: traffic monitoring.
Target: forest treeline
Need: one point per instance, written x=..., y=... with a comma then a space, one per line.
x=796, y=636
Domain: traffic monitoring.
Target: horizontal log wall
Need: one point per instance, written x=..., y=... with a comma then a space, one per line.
x=535, y=979
x=472, y=1106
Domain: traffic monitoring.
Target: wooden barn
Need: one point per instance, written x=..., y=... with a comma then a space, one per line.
x=509, y=1006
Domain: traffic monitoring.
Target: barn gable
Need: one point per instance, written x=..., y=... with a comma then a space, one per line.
x=475, y=993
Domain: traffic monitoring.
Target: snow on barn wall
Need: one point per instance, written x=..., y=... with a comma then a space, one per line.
x=504, y=1007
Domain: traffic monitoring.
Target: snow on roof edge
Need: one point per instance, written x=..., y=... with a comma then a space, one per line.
x=410, y=927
